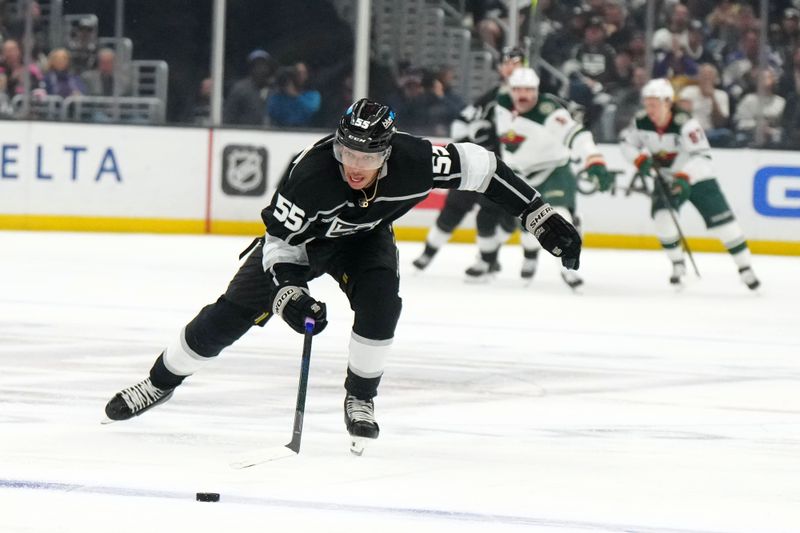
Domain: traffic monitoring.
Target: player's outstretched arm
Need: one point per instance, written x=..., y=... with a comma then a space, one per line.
x=556, y=235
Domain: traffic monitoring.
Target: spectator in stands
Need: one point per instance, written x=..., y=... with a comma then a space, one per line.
x=13, y=70
x=407, y=100
x=790, y=89
x=619, y=27
x=676, y=65
x=337, y=99
x=629, y=99
x=558, y=46
x=201, y=107
x=438, y=111
x=491, y=30
x=58, y=79
x=40, y=41
x=100, y=81
x=637, y=48
x=82, y=45
x=591, y=70
x=738, y=75
x=759, y=116
x=696, y=48
x=709, y=105
x=4, y=33
x=722, y=23
x=446, y=76
x=787, y=37
x=678, y=28
x=247, y=101
x=292, y=103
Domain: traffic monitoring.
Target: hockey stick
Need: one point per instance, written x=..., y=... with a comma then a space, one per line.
x=300, y=409
x=265, y=456
x=661, y=185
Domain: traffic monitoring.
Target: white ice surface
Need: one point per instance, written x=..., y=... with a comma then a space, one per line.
x=630, y=407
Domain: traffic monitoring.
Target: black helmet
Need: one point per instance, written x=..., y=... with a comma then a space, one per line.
x=366, y=126
x=512, y=52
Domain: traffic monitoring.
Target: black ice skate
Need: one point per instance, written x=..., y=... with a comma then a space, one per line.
x=678, y=272
x=422, y=262
x=135, y=400
x=482, y=271
x=749, y=278
x=359, y=417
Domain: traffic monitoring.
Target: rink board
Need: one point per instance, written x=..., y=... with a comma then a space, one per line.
x=92, y=177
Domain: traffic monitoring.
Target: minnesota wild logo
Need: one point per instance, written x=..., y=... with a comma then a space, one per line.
x=512, y=141
x=664, y=159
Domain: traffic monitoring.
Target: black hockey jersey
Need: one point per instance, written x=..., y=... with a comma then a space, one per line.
x=476, y=122
x=315, y=202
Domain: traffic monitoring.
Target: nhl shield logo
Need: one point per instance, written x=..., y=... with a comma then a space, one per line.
x=244, y=170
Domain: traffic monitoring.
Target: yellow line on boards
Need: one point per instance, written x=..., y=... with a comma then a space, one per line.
x=112, y=224
x=232, y=227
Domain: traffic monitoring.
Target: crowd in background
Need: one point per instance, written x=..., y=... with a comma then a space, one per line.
x=79, y=67
x=710, y=50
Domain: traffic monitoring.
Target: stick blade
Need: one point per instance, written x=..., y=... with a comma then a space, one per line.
x=266, y=455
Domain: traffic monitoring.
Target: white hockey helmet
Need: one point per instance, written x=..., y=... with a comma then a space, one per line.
x=658, y=88
x=523, y=77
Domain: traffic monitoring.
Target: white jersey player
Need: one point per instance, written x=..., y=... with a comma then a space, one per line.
x=538, y=137
x=669, y=140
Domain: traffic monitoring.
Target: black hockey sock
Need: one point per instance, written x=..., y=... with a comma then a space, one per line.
x=430, y=250
x=530, y=254
x=361, y=388
x=162, y=377
x=490, y=257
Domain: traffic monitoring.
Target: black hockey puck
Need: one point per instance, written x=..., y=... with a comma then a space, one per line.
x=207, y=497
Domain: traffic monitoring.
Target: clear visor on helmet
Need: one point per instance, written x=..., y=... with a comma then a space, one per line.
x=357, y=159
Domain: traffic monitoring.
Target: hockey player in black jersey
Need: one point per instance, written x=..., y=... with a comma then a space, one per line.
x=476, y=124
x=333, y=215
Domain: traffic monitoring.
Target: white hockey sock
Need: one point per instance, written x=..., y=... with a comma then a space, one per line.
x=667, y=233
x=487, y=245
x=368, y=356
x=436, y=237
x=501, y=236
x=733, y=239
x=182, y=360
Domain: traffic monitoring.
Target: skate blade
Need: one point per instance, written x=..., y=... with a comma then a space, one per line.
x=106, y=421
x=358, y=445
x=479, y=280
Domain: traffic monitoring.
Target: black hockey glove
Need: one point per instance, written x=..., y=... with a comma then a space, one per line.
x=293, y=305
x=556, y=235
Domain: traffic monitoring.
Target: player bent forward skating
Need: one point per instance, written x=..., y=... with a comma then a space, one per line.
x=333, y=216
